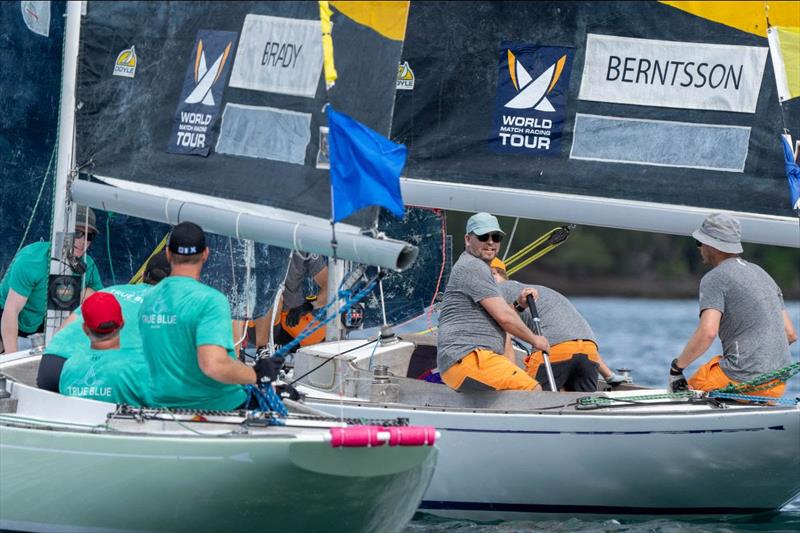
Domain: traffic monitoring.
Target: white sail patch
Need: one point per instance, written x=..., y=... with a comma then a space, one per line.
x=36, y=16
x=683, y=75
x=660, y=143
x=278, y=55
x=264, y=133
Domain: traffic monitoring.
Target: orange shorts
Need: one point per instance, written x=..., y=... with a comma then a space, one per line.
x=315, y=338
x=711, y=377
x=482, y=370
x=563, y=351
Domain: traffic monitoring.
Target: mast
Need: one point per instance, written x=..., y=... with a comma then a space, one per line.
x=63, y=212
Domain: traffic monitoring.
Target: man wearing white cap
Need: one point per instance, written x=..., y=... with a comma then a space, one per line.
x=741, y=303
x=474, y=347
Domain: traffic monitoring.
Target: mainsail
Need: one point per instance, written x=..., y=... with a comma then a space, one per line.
x=213, y=111
x=633, y=115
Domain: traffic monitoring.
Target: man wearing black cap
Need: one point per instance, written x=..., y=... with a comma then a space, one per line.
x=187, y=334
x=23, y=290
x=71, y=339
x=742, y=304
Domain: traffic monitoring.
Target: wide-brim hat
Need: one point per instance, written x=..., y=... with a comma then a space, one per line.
x=722, y=232
x=483, y=223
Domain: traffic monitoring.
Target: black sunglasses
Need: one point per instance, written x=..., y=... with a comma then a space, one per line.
x=79, y=234
x=496, y=237
x=698, y=243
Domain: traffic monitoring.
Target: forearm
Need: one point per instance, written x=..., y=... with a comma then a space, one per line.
x=516, y=327
x=9, y=325
x=697, y=346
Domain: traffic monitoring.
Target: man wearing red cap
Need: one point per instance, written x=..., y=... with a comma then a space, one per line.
x=71, y=338
x=106, y=372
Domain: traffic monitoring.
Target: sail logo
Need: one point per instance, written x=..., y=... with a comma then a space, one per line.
x=405, y=77
x=205, y=77
x=125, y=65
x=533, y=93
x=201, y=96
x=531, y=98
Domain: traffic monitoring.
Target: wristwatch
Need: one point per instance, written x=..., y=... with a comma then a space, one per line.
x=518, y=307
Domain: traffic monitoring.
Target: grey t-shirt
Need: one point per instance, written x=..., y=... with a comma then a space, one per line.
x=560, y=320
x=464, y=324
x=299, y=271
x=751, y=329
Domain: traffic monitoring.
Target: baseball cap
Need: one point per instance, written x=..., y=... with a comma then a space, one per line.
x=157, y=268
x=102, y=313
x=720, y=231
x=80, y=218
x=483, y=223
x=187, y=238
x=497, y=263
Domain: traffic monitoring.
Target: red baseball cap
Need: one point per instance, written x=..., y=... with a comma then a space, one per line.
x=102, y=313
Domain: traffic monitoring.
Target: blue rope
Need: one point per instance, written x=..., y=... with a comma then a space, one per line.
x=268, y=402
x=756, y=399
x=348, y=298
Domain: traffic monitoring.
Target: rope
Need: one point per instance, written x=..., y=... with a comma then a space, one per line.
x=109, y=216
x=38, y=199
x=757, y=399
x=554, y=238
x=137, y=278
x=441, y=269
x=764, y=381
x=268, y=402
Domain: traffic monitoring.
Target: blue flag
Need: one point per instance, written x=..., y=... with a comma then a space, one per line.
x=365, y=167
x=792, y=173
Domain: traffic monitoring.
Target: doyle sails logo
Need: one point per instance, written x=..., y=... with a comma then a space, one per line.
x=125, y=65
x=204, y=77
x=405, y=77
x=199, y=104
x=531, y=98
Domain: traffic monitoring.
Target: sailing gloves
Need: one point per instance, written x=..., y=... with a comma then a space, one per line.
x=295, y=313
x=615, y=380
x=267, y=369
x=677, y=381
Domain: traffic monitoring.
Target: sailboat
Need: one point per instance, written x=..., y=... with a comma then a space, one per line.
x=632, y=115
x=174, y=107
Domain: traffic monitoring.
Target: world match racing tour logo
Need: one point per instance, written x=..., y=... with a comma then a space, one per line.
x=533, y=82
x=199, y=105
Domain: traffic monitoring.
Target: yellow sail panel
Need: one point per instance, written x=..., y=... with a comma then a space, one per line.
x=784, y=46
x=387, y=18
x=746, y=16
x=327, y=43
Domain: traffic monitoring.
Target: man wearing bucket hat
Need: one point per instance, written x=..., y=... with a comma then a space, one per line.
x=573, y=348
x=742, y=304
x=474, y=345
x=23, y=290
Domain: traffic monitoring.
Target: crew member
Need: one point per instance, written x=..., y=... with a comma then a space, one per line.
x=474, y=344
x=71, y=337
x=187, y=335
x=573, y=349
x=23, y=290
x=105, y=371
x=742, y=304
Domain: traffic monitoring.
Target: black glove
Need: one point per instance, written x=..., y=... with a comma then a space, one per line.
x=267, y=369
x=677, y=381
x=295, y=313
x=285, y=390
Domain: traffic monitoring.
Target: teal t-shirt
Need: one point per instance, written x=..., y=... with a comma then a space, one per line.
x=115, y=376
x=178, y=315
x=72, y=339
x=28, y=275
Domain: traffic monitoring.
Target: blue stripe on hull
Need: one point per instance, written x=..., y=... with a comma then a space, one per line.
x=585, y=509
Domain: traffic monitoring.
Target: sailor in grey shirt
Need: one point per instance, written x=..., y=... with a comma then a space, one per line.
x=741, y=303
x=475, y=319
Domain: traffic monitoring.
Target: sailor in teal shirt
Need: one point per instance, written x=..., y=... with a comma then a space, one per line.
x=23, y=290
x=105, y=371
x=71, y=338
x=187, y=335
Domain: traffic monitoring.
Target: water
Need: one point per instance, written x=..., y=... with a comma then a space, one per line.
x=644, y=335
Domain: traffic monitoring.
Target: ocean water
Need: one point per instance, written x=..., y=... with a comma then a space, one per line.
x=643, y=335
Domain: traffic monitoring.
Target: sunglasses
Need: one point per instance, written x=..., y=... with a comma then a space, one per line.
x=79, y=234
x=496, y=237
